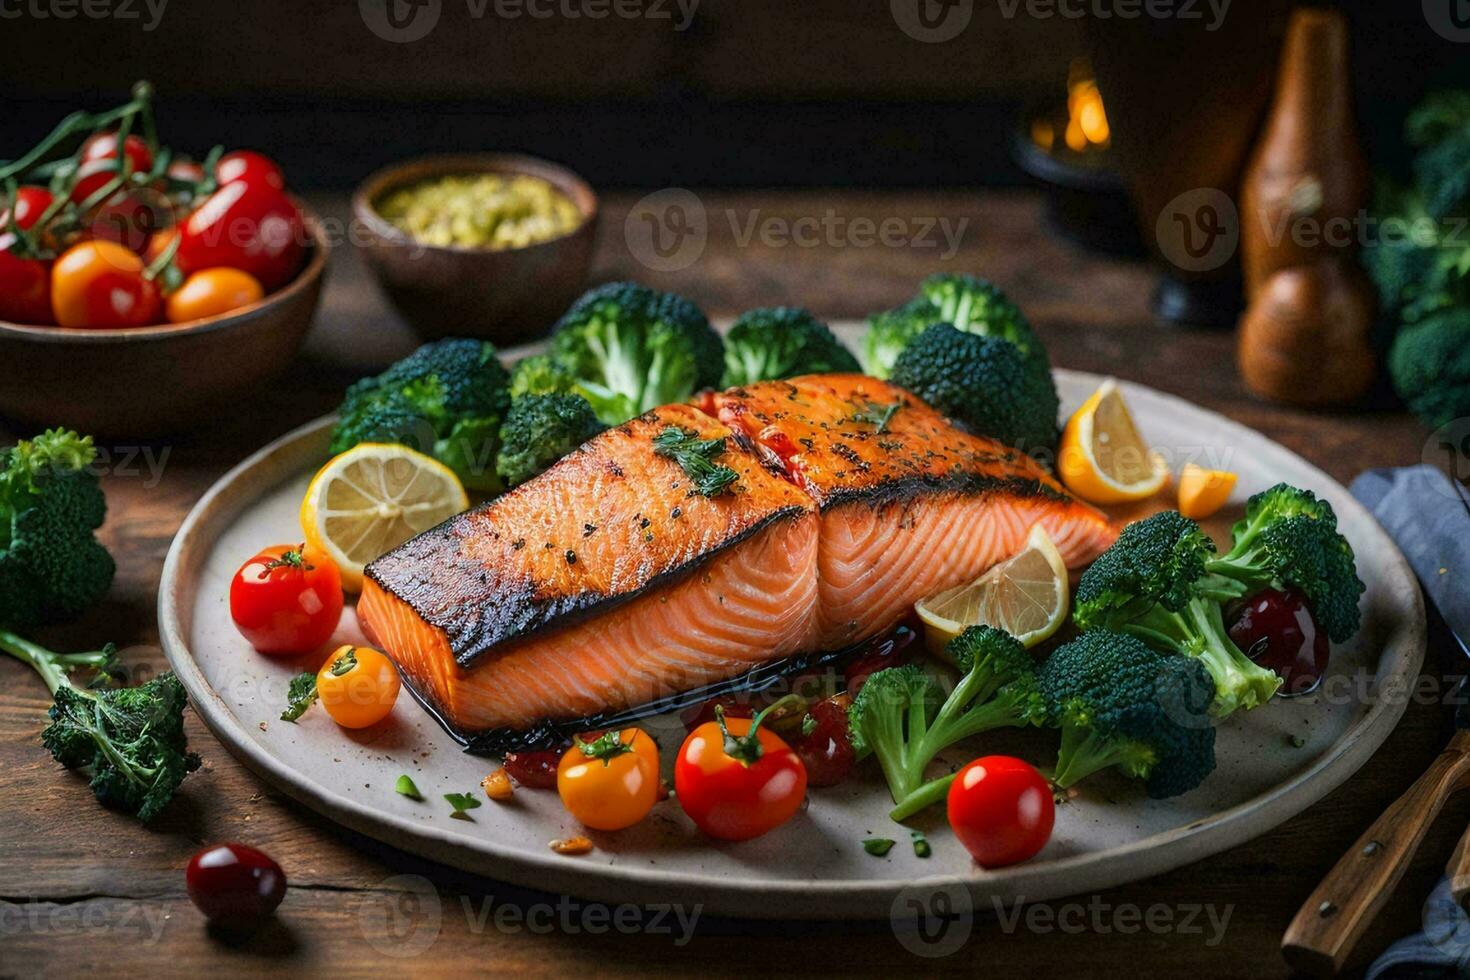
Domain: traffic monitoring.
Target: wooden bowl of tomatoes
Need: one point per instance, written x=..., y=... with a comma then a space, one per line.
x=505, y=291
x=140, y=290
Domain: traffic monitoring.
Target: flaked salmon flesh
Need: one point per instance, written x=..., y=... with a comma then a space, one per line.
x=606, y=582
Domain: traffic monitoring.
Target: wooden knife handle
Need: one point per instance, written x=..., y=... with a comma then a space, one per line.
x=1332, y=920
x=1459, y=870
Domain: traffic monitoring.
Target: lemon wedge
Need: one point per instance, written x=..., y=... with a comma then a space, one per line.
x=1102, y=458
x=1202, y=491
x=1025, y=595
x=372, y=498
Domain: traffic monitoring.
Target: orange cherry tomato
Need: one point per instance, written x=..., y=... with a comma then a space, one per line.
x=101, y=284
x=210, y=292
x=158, y=242
x=610, y=782
x=357, y=686
x=736, y=779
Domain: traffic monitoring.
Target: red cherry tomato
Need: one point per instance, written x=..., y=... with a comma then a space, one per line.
x=185, y=170
x=131, y=218
x=30, y=203
x=25, y=287
x=235, y=885
x=1001, y=809
x=738, y=780
x=249, y=226
x=250, y=167
x=287, y=600
x=98, y=162
x=101, y=284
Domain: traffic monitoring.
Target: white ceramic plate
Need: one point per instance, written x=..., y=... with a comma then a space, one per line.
x=815, y=866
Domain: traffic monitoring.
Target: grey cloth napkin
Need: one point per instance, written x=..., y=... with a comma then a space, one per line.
x=1428, y=515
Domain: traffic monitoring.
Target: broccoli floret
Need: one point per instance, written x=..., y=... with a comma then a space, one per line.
x=539, y=430
x=893, y=330
x=632, y=349
x=765, y=345
x=898, y=714
x=540, y=374
x=1430, y=366
x=973, y=305
x=984, y=383
x=1121, y=704
x=51, y=565
x=446, y=399
x=1153, y=583
x=129, y=741
x=1289, y=539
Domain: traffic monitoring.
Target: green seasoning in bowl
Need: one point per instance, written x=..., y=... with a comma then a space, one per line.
x=491, y=211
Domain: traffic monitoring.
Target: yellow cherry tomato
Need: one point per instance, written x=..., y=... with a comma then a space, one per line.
x=210, y=292
x=357, y=686
x=610, y=782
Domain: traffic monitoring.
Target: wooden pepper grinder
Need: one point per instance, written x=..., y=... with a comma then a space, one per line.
x=1305, y=337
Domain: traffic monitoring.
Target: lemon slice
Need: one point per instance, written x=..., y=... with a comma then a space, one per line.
x=1025, y=595
x=1202, y=492
x=371, y=499
x=1102, y=458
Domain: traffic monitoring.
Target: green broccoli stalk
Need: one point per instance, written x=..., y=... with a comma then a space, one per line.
x=765, y=345
x=130, y=741
x=894, y=715
x=446, y=399
x=539, y=430
x=1430, y=366
x=1153, y=583
x=1289, y=539
x=632, y=349
x=893, y=330
x=986, y=384
x=1123, y=705
x=51, y=565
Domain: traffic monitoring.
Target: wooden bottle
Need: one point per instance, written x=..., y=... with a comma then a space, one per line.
x=1307, y=183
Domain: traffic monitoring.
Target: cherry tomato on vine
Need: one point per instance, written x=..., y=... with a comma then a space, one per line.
x=738, y=780
x=250, y=167
x=210, y=292
x=610, y=782
x=287, y=599
x=25, y=287
x=101, y=284
x=186, y=170
x=1001, y=809
x=249, y=226
x=30, y=203
x=131, y=218
x=235, y=885
x=357, y=686
x=98, y=162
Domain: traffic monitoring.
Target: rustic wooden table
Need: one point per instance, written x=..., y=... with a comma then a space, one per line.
x=84, y=890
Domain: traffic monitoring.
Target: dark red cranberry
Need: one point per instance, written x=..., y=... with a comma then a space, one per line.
x=826, y=750
x=235, y=885
x=1276, y=629
x=534, y=770
x=889, y=650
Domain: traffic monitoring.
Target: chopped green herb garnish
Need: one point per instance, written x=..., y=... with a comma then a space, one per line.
x=299, y=696
x=1297, y=741
x=808, y=724
x=344, y=663
x=405, y=787
x=696, y=457
x=921, y=844
x=462, y=802
x=878, y=415
x=878, y=846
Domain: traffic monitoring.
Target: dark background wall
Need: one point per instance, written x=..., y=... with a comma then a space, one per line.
x=751, y=93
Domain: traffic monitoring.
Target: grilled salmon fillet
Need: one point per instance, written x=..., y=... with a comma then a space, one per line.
x=605, y=583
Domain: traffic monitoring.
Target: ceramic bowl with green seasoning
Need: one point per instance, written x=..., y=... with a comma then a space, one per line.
x=491, y=245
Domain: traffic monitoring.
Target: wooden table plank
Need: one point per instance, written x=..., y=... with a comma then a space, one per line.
x=73, y=876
